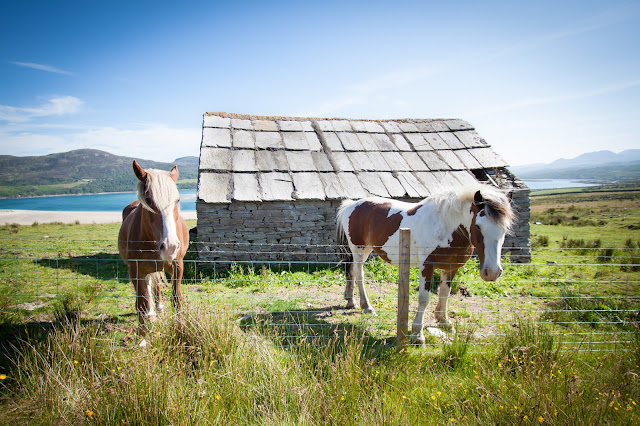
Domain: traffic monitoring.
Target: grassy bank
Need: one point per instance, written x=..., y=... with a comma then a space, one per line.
x=207, y=370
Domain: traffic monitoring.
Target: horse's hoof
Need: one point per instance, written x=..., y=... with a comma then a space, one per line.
x=447, y=326
x=350, y=305
x=371, y=311
x=152, y=317
x=418, y=339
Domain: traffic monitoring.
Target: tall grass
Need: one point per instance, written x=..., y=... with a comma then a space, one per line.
x=204, y=369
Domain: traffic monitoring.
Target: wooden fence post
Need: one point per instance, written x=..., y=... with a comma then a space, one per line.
x=404, y=248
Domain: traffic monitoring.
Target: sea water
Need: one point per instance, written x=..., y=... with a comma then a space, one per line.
x=90, y=202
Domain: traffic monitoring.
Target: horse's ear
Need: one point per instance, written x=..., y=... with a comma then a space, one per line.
x=510, y=195
x=174, y=173
x=478, y=201
x=139, y=171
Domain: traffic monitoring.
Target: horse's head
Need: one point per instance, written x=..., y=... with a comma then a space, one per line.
x=158, y=194
x=492, y=217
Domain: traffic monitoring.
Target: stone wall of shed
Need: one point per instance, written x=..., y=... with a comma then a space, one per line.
x=518, y=242
x=261, y=232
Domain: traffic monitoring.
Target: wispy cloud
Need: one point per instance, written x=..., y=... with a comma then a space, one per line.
x=41, y=67
x=548, y=100
x=360, y=93
x=61, y=105
x=605, y=19
x=151, y=141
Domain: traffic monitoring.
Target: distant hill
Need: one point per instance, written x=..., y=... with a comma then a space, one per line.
x=79, y=172
x=192, y=162
x=599, y=165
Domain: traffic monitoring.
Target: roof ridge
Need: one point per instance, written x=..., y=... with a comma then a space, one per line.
x=276, y=117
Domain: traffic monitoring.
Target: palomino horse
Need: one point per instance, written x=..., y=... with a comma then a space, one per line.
x=444, y=230
x=153, y=238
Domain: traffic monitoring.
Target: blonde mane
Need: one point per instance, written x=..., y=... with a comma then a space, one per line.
x=496, y=203
x=160, y=187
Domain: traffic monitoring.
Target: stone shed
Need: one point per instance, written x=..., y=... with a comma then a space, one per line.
x=269, y=187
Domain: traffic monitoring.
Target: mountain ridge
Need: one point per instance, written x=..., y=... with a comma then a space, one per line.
x=600, y=165
x=80, y=171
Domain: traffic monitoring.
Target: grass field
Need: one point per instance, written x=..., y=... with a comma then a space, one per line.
x=555, y=341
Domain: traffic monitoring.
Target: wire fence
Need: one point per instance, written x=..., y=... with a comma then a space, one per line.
x=586, y=297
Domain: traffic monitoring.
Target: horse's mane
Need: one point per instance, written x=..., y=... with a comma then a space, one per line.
x=496, y=203
x=160, y=187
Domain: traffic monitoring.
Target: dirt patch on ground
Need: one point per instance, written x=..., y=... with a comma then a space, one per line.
x=326, y=304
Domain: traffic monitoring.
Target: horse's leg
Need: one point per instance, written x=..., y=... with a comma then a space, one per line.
x=151, y=282
x=359, y=257
x=349, y=270
x=443, y=296
x=176, y=280
x=424, y=294
x=159, y=280
x=140, y=284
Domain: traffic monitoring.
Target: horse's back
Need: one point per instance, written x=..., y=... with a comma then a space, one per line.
x=127, y=210
x=370, y=221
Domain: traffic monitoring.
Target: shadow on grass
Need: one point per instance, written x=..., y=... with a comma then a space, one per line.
x=313, y=327
x=108, y=266
x=15, y=338
x=102, y=266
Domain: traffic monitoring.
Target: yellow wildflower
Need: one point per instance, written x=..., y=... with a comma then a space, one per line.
x=3, y=376
x=541, y=419
x=89, y=413
x=75, y=361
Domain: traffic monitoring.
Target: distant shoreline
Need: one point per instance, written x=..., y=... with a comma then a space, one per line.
x=19, y=197
x=29, y=217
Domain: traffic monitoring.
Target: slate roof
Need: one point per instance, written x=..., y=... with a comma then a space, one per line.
x=254, y=158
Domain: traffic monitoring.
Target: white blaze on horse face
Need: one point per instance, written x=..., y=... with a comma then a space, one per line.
x=493, y=238
x=169, y=245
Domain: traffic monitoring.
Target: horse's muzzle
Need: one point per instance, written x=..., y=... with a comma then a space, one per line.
x=490, y=274
x=169, y=251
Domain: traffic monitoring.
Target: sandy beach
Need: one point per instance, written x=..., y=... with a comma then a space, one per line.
x=28, y=217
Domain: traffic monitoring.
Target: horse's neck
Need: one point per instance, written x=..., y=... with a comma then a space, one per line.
x=456, y=216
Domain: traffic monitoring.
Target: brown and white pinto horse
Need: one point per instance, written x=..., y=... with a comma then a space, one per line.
x=153, y=238
x=444, y=230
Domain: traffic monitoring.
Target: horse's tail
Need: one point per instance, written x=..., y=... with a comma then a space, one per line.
x=344, y=251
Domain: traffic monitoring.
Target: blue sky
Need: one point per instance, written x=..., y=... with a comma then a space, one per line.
x=539, y=80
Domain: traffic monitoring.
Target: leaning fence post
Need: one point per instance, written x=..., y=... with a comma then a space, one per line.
x=403, y=288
